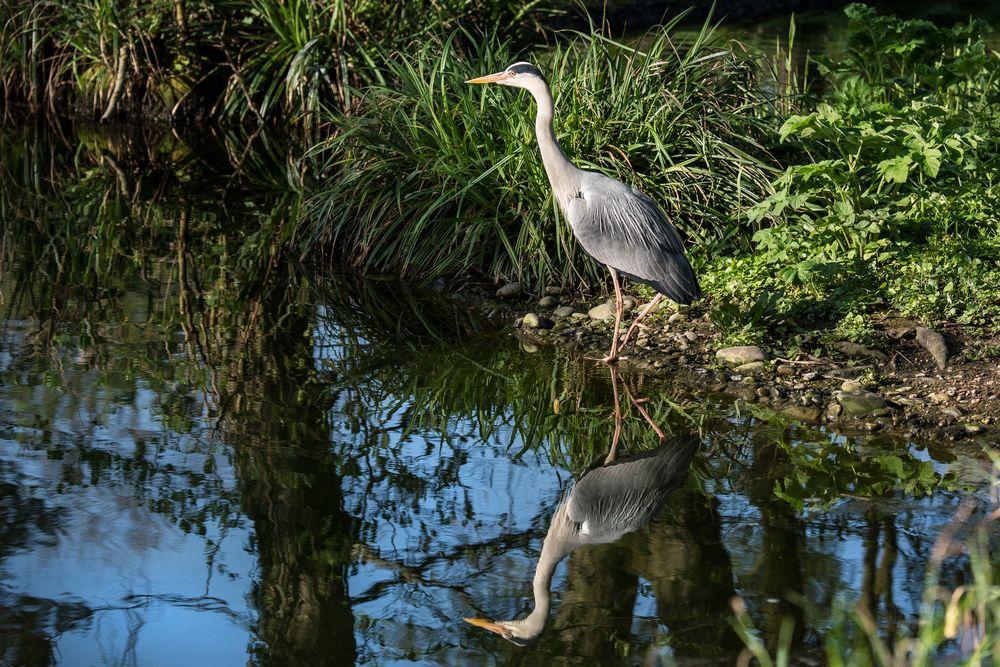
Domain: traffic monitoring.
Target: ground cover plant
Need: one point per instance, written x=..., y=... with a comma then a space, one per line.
x=889, y=200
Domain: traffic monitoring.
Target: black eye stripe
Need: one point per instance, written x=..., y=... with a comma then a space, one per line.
x=523, y=68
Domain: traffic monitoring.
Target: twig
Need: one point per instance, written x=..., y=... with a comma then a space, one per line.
x=808, y=362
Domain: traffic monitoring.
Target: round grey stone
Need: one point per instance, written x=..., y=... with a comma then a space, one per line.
x=741, y=354
x=530, y=321
x=510, y=290
x=860, y=402
x=547, y=302
x=603, y=312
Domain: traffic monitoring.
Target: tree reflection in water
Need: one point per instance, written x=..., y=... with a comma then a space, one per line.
x=150, y=327
x=277, y=418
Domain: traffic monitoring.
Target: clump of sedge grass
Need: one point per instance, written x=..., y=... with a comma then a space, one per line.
x=249, y=60
x=434, y=177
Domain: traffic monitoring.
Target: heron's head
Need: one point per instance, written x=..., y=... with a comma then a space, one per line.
x=518, y=75
x=521, y=632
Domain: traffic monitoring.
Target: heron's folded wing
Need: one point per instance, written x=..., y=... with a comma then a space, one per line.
x=624, y=229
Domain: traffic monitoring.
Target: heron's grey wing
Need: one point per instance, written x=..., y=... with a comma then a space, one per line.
x=624, y=229
x=619, y=498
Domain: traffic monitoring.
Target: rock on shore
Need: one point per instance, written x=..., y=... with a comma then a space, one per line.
x=741, y=354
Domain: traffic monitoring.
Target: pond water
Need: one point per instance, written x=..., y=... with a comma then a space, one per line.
x=208, y=459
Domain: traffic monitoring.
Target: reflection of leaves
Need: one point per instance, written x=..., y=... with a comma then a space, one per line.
x=23, y=519
x=823, y=474
x=409, y=387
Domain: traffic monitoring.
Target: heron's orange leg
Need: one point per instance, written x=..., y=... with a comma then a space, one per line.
x=619, y=309
x=635, y=322
x=638, y=405
x=618, y=420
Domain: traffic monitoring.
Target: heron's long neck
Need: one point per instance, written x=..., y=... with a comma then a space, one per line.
x=558, y=168
x=560, y=540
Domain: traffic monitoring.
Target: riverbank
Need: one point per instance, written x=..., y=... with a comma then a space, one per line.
x=897, y=385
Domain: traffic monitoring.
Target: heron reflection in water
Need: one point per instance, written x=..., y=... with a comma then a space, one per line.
x=612, y=499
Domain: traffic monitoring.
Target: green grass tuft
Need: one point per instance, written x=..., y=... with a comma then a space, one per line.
x=252, y=61
x=436, y=178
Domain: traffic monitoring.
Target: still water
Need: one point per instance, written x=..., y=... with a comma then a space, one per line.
x=206, y=463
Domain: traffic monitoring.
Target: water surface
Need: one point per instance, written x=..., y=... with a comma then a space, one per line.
x=205, y=462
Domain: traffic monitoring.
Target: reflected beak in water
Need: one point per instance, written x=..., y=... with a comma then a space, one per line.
x=492, y=626
x=491, y=78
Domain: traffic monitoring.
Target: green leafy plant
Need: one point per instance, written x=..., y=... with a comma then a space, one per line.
x=740, y=325
x=853, y=210
x=855, y=327
x=894, y=163
x=956, y=280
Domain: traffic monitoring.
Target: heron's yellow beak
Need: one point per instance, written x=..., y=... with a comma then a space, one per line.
x=491, y=78
x=492, y=626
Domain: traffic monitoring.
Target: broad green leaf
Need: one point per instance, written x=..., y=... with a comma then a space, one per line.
x=844, y=210
x=932, y=161
x=895, y=170
x=827, y=113
x=801, y=125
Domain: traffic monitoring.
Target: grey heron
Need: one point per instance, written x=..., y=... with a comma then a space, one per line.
x=616, y=224
x=610, y=500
